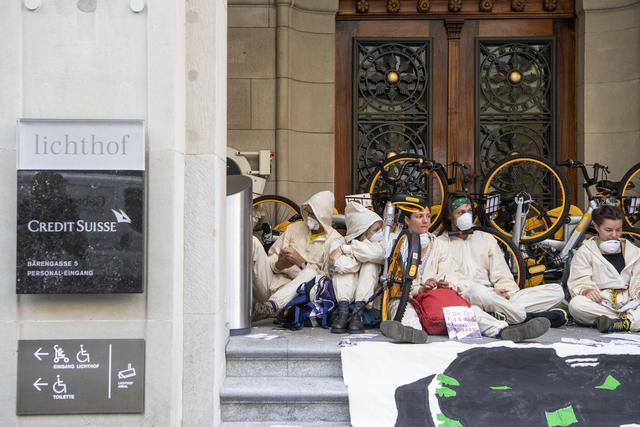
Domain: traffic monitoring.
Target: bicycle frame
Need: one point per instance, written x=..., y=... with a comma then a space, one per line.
x=566, y=246
x=575, y=227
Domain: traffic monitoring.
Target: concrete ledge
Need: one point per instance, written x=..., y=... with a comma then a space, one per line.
x=280, y=414
x=285, y=424
x=284, y=367
x=283, y=390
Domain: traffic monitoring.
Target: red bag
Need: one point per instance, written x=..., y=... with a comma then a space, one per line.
x=429, y=305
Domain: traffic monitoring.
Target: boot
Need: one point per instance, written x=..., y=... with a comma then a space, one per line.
x=606, y=325
x=355, y=324
x=264, y=310
x=557, y=317
x=339, y=325
x=525, y=330
x=401, y=333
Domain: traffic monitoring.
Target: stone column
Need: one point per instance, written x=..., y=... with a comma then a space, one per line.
x=205, y=330
x=281, y=89
x=166, y=65
x=252, y=78
x=608, y=84
x=305, y=71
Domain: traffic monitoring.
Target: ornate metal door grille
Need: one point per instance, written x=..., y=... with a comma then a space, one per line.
x=391, y=102
x=515, y=99
x=516, y=105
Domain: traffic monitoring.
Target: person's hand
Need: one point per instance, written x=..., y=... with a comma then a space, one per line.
x=594, y=295
x=502, y=293
x=443, y=284
x=294, y=257
x=283, y=260
x=428, y=285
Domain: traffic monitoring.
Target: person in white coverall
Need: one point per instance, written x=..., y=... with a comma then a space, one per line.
x=299, y=255
x=437, y=270
x=604, y=279
x=488, y=282
x=355, y=266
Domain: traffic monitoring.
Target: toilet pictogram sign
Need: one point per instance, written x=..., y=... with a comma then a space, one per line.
x=80, y=376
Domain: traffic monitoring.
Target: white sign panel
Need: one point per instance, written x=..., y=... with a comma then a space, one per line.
x=48, y=144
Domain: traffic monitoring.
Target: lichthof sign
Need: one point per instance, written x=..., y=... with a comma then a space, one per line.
x=80, y=376
x=80, y=206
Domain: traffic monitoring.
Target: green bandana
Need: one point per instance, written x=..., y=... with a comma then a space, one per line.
x=459, y=202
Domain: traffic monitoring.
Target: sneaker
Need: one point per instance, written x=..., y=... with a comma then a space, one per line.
x=263, y=310
x=526, y=330
x=605, y=325
x=557, y=316
x=401, y=333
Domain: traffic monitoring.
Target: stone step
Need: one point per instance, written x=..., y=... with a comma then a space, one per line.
x=310, y=352
x=284, y=424
x=284, y=399
x=282, y=359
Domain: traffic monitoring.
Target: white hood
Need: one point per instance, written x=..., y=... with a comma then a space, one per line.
x=358, y=220
x=322, y=205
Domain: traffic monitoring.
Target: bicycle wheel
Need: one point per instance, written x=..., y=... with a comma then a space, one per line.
x=540, y=179
x=630, y=196
x=512, y=256
x=393, y=287
x=632, y=234
x=412, y=175
x=271, y=215
x=409, y=272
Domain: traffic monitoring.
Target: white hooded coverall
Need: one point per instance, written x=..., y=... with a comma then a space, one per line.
x=437, y=264
x=481, y=262
x=591, y=271
x=279, y=286
x=356, y=269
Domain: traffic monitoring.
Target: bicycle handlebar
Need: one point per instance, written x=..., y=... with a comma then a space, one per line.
x=570, y=163
x=588, y=181
x=422, y=163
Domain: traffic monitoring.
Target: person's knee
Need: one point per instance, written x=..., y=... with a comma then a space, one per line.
x=576, y=305
x=556, y=292
x=477, y=293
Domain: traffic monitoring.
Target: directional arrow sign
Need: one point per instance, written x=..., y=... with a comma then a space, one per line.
x=102, y=376
x=37, y=384
x=37, y=354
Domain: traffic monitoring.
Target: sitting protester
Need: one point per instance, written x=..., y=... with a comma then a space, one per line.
x=355, y=266
x=488, y=280
x=436, y=270
x=299, y=254
x=604, y=279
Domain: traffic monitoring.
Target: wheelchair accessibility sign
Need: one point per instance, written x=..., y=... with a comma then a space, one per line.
x=80, y=376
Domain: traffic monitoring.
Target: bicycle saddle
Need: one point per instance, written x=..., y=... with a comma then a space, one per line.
x=409, y=203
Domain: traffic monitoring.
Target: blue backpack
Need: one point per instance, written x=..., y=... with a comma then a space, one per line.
x=313, y=304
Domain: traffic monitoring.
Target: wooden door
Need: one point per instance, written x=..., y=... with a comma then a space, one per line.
x=471, y=111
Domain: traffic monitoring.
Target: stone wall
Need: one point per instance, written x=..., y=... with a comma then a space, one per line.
x=166, y=65
x=608, y=92
x=281, y=89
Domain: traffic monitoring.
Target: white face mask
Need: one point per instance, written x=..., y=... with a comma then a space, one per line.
x=312, y=223
x=464, y=221
x=377, y=236
x=424, y=240
x=610, y=246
